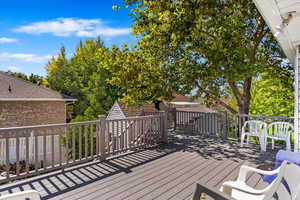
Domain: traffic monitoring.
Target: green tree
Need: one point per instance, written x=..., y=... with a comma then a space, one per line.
x=33, y=78
x=83, y=77
x=204, y=47
x=272, y=96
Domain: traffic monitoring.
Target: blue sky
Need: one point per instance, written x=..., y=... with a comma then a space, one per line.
x=32, y=31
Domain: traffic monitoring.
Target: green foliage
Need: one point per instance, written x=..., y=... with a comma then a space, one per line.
x=272, y=96
x=83, y=77
x=205, y=47
x=36, y=79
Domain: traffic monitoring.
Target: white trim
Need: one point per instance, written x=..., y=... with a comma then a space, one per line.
x=271, y=13
x=296, y=107
x=182, y=103
x=35, y=99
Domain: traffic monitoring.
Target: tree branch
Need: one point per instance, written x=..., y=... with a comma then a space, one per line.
x=215, y=98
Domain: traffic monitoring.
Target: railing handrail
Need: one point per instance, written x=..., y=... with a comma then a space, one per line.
x=263, y=116
x=48, y=125
x=134, y=118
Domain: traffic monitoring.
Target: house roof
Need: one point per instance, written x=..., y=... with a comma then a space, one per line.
x=180, y=98
x=283, y=18
x=15, y=89
x=133, y=111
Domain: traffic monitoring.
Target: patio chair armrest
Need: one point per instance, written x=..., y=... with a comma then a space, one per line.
x=228, y=186
x=212, y=192
x=244, y=170
x=29, y=194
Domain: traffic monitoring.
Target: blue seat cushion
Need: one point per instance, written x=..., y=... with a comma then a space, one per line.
x=282, y=155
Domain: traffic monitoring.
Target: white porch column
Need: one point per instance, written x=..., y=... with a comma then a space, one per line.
x=297, y=101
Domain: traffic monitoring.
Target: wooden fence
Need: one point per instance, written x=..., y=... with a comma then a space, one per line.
x=31, y=150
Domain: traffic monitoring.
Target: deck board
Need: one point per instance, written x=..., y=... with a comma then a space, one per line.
x=165, y=172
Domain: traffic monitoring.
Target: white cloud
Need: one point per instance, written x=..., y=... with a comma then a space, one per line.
x=24, y=57
x=13, y=68
x=70, y=26
x=7, y=40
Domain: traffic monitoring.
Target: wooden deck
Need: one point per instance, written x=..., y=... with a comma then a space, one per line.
x=166, y=172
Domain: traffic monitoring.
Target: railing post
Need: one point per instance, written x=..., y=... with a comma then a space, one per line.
x=101, y=136
x=226, y=125
x=164, y=126
x=174, y=117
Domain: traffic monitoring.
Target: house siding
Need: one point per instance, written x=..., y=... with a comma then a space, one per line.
x=27, y=113
x=297, y=101
x=115, y=112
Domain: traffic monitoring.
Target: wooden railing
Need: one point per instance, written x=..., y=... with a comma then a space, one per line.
x=234, y=123
x=202, y=122
x=31, y=150
x=220, y=124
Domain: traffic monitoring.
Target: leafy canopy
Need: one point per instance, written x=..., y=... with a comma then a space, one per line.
x=83, y=77
x=205, y=48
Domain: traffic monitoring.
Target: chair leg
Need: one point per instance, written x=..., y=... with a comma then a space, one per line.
x=273, y=144
x=288, y=145
x=262, y=144
x=242, y=139
x=248, y=140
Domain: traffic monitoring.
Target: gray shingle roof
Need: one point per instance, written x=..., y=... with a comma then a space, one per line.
x=14, y=89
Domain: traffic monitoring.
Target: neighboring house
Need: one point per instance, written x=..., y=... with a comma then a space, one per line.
x=184, y=103
x=121, y=111
x=24, y=104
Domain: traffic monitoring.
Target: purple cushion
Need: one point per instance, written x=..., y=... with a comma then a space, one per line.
x=282, y=155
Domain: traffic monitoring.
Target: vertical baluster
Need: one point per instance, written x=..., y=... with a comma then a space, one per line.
x=130, y=134
x=240, y=125
x=27, y=150
x=73, y=143
x=180, y=119
x=52, y=150
x=204, y=123
x=113, y=137
x=60, y=146
x=17, y=153
x=36, y=149
x=118, y=148
x=210, y=123
x=133, y=132
x=92, y=140
x=86, y=138
x=68, y=131
x=157, y=129
x=44, y=149
x=182, y=115
x=139, y=132
x=145, y=132
x=122, y=134
x=80, y=141
x=97, y=140
x=7, y=157
x=108, y=135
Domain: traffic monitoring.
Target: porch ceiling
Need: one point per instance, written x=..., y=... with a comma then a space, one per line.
x=283, y=18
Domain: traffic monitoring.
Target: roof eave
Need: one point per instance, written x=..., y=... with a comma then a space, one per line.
x=271, y=14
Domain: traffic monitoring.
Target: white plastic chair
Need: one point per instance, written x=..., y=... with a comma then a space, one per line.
x=287, y=172
x=280, y=131
x=254, y=128
x=29, y=194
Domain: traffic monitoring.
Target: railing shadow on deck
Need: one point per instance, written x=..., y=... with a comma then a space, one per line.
x=100, y=170
x=213, y=147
